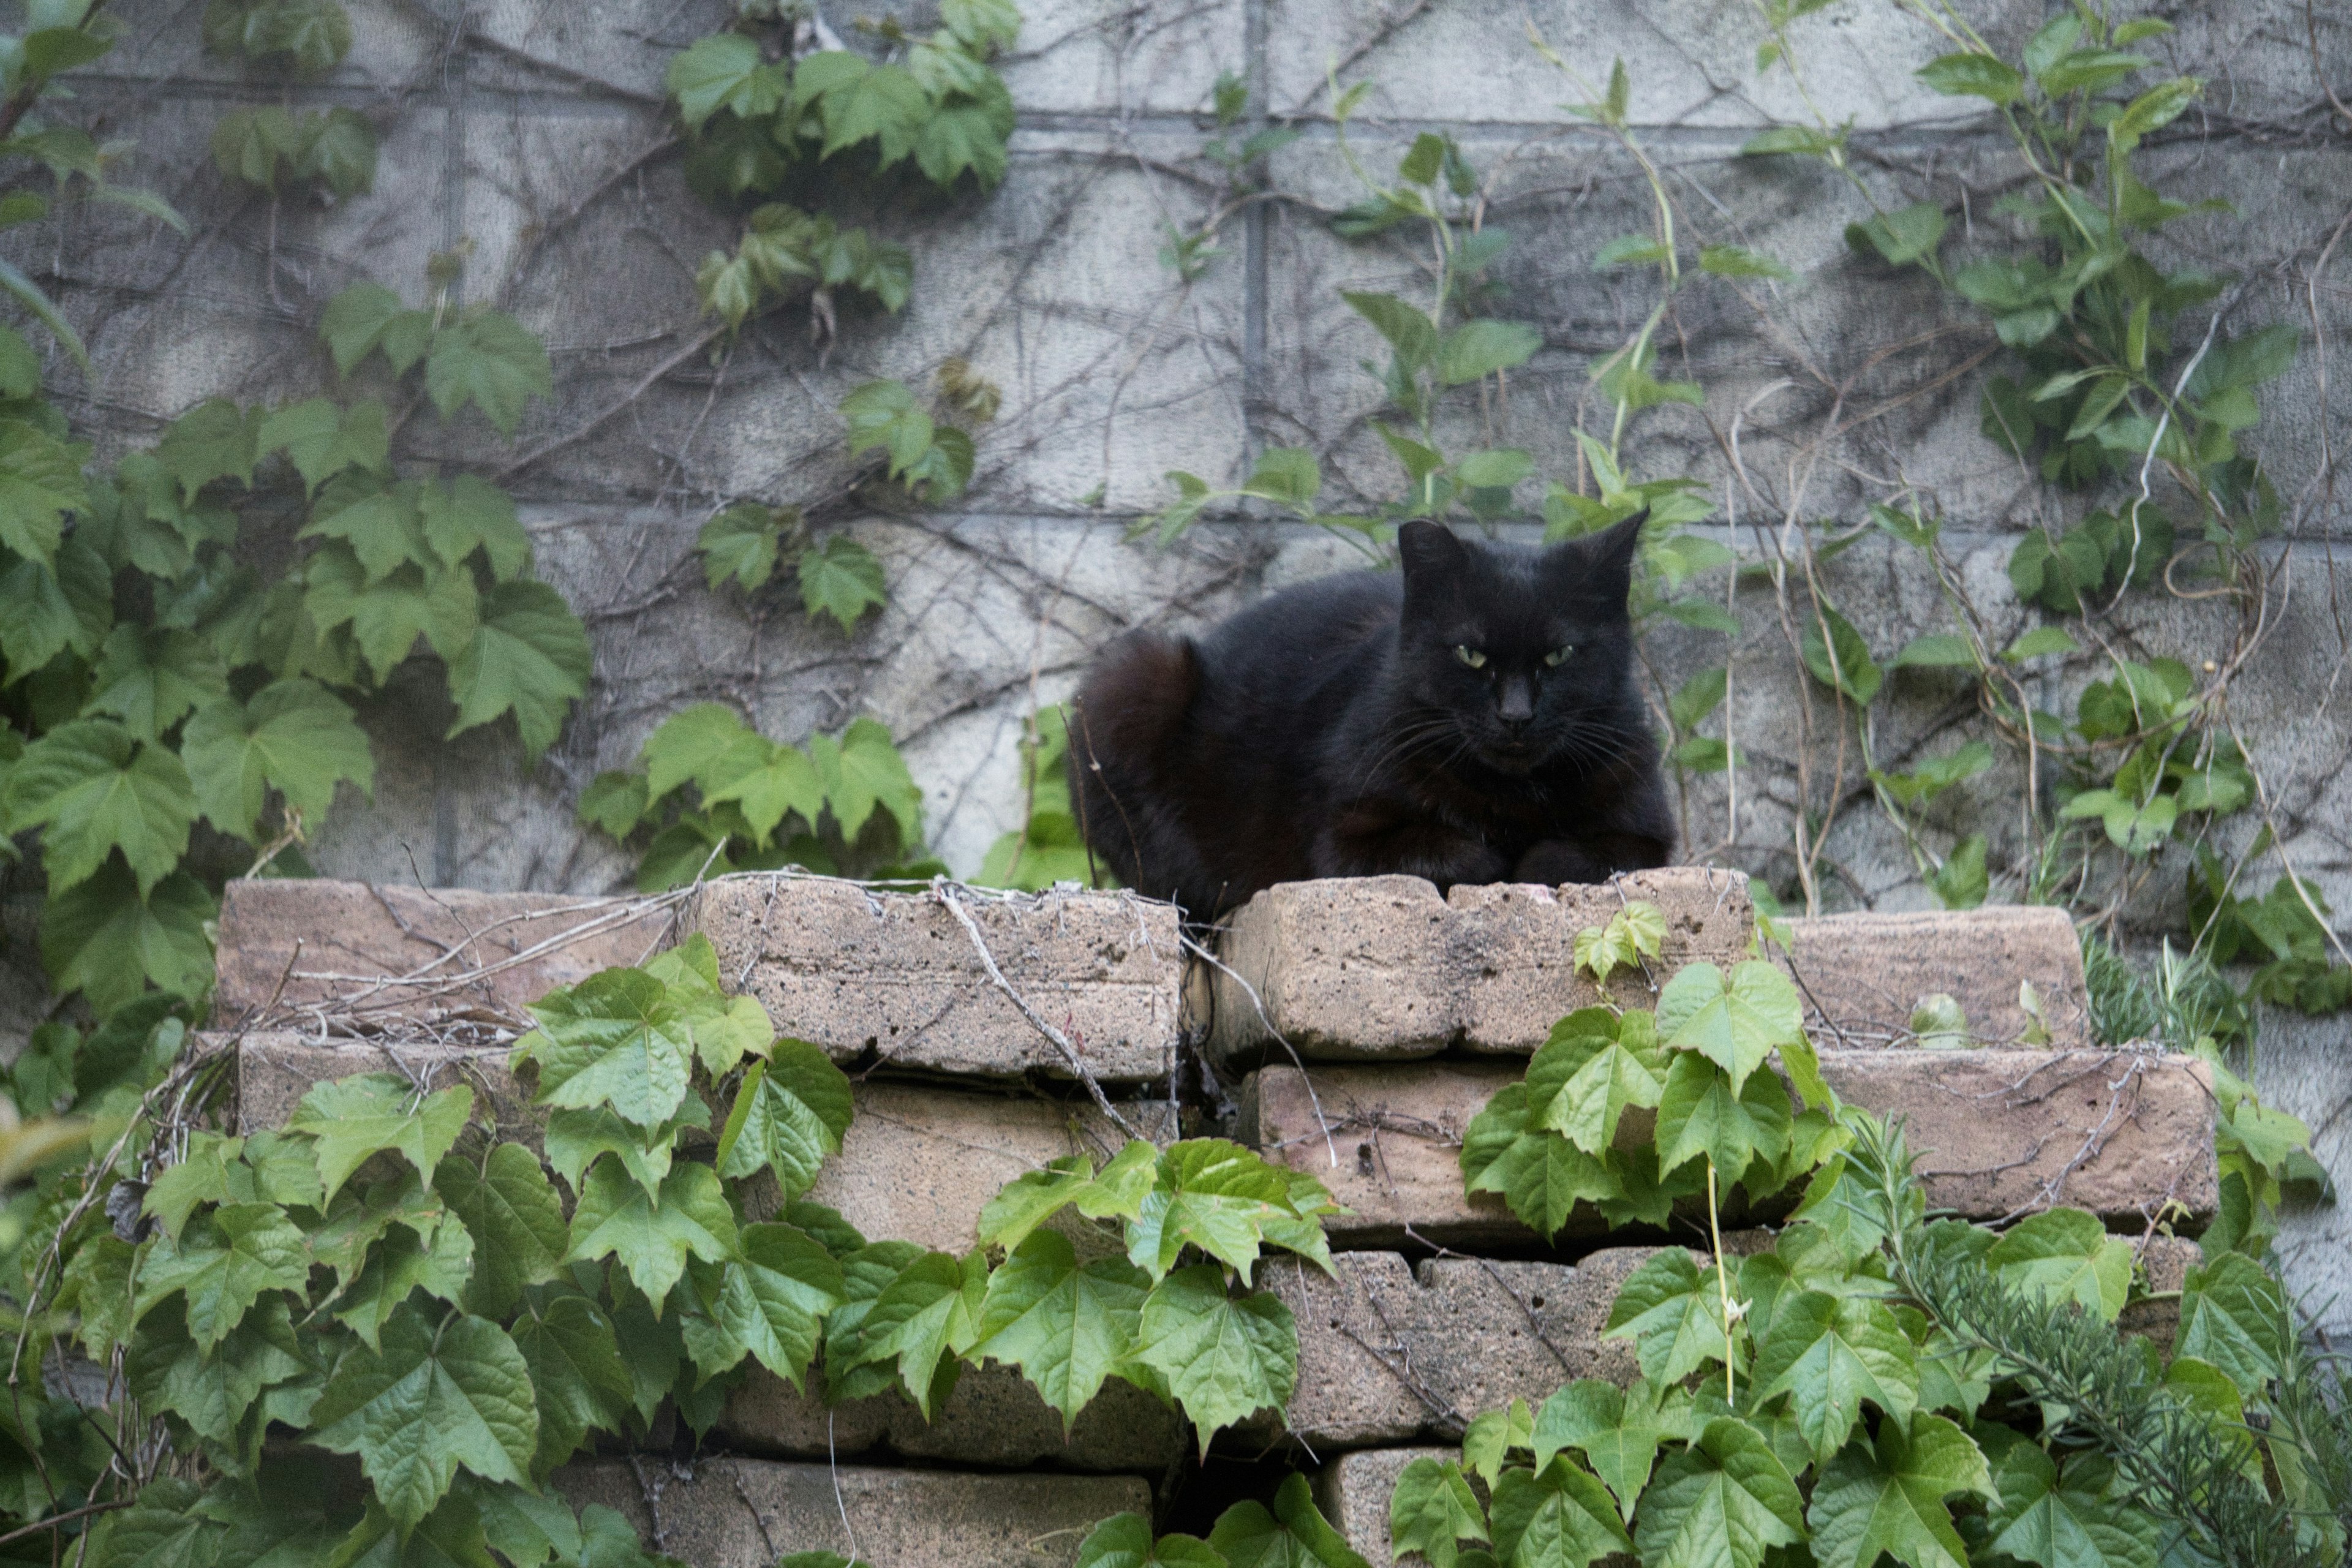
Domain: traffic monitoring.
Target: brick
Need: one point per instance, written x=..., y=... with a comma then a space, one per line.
x=918, y=1164
x=1353, y=1491
x=745, y=1514
x=993, y=1417
x=2117, y=1132
x=1389, y=1353
x=894, y=977
x=1384, y=967
x=388, y=954
x=2166, y=1261
x=1863, y=975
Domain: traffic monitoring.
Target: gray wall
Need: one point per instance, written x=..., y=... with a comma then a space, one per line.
x=523, y=126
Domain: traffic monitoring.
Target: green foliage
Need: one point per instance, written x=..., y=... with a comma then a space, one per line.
x=1048, y=847
x=711, y=795
x=275, y=148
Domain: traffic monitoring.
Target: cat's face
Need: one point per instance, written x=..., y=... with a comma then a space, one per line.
x=1525, y=650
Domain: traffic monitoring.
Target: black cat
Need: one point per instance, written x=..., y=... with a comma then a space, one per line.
x=1471, y=719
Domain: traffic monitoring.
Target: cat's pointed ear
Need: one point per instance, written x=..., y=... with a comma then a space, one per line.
x=1429, y=553
x=1606, y=559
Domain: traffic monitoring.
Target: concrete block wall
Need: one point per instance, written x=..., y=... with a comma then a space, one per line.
x=1393, y=1351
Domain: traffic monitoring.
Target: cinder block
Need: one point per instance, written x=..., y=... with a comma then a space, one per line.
x=746, y=1513
x=1996, y=1132
x=1353, y=1491
x=896, y=977
x=918, y=1164
x=1863, y=975
x=1388, y=1353
x=1373, y=967
x=992, y=1418
x=389, y=953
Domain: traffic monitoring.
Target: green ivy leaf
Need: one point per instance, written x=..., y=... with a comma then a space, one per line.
x=1617, y=1430
x=491, y=360
x=323, y=439
x=2065, y=1255
x=367, y=316
x=653, y=1234
x=924, y=1318
x=466, y=1385
x=96, y=788
x=387, y=616
x=293, y=735
x=222, y=1264
x=1065, y=1325
x=1559, y=1517
x=45, y=611
x=741, y=542
x=1222, y=1358
x=790, y=1113
x=150, y=677
x=1482, y=347
x=1295, y=1535
x=403, y=1261
x=579, y=1382
x=577, y=1138
x=615, y=1040
x=1027, y=1201
x=723, y=71
x=1829, y=1353
x=1719, y=1504
x=771, y=1305
x=1212, y=1195
x=166, y=1370
x=1540, y=1175
x=40, y=483
x=840, y=578
x=1736, y=1025
x=1973, y=75
x=105, y=939
x=1889, y=1498
x=516, y=1217
x=162, y=1529
x=1431, y=1510
x=216, y=439
x=2232, y=1314
x=2076, y=1522
x=466, y=514
x=352, y=1118
x=1124, y=1540
x=529, y=654
x=1674, y=1313
x=863, y=771
x=1493, y=1438
x=1698, y=1115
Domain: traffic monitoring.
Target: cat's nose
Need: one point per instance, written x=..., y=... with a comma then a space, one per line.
x=1516, y=703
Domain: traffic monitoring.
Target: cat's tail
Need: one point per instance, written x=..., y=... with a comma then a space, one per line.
x=1127, y=730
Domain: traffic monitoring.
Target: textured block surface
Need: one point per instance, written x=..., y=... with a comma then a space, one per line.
x=390, y=952
x=1863, y=975
x=993, y=1417
x=274, y=1069
x=897, y=977
x=1997, y=1132
x=1373, y=967
x=746, y=1513
x=1389, y=1353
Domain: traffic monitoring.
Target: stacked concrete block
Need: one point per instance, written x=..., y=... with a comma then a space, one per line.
x=1864, y=976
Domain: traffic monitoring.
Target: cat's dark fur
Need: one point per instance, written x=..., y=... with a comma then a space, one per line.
x=1333, y=730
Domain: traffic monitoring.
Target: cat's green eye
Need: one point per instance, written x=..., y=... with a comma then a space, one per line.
x=1559, y=656
x=1470, y=655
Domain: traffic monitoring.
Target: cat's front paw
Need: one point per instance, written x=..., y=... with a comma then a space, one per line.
x=1553, y=861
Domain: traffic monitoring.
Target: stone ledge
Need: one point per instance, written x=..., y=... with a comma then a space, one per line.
x=389, y=953
x=1996, y=1131
x=895, y=976
x=1863, y=975
x=918, y=1164
x=992, y=1418
x=1391, y=1351
x=746, y=1513
x=1384, y=967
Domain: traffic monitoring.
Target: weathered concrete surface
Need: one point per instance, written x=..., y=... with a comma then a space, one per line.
x=389, y=955
x=992, y=1418
x=745, y=1514
x=896, y=978
x=917, y=1163
x=1995, y=1130
x=1389, y=1353
x=1863, y=975
x=1376, y=967
x=1353, y=1491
